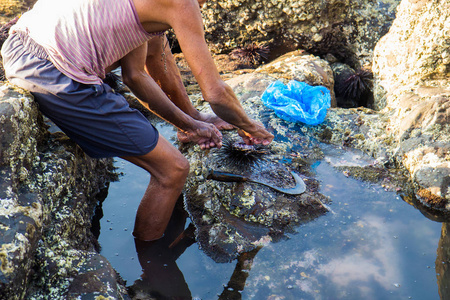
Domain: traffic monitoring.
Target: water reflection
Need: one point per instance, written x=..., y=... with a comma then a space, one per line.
x=374, y=246
x=442, y=262
x=370, y=262
x=237, y=281
x=161, y=276
x=443, y=250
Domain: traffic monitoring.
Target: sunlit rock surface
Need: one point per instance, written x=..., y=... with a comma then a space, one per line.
x=12, y=8
x=47, y=200
x=344, y=28
x=411, y=87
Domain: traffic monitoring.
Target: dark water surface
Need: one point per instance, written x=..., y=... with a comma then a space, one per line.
x=373, y=245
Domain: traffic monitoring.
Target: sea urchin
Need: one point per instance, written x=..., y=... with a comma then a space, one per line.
x=357, y=84
x=252, y=54
x=239, y=155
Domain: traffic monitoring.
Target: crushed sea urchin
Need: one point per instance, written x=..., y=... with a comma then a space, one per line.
x=240, y=155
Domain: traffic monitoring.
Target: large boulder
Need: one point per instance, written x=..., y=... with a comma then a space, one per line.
x=345, y=28
x=47, y=196
x=411, y=65
x=415, y=51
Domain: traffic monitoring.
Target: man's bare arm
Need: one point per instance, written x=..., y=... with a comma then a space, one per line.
x=148, y=91
x=185, y=18
x=160, y=64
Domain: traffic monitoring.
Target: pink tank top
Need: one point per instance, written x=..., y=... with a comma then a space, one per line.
x=84, y=37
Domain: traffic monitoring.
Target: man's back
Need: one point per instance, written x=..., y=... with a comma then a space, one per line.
x=84, y=37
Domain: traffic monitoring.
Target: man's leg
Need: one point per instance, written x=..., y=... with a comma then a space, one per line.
x=103, y=124
x=168, y=169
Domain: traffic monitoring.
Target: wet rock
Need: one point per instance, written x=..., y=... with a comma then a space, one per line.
x=21, y=209
x=47, y=201
x=411, y=85
x=95, y=279
x=232, y=218
x=345, y=28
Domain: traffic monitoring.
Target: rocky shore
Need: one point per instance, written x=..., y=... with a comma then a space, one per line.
x=50, y=188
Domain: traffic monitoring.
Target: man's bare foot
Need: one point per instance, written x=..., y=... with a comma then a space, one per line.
x=216, y=121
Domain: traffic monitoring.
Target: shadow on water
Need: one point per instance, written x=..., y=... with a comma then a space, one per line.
x=373, y=245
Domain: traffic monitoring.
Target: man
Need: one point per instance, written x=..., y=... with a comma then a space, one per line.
x=61, y=50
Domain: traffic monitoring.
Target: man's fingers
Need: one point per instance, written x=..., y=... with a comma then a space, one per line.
x=261, y=136
x=206, y=136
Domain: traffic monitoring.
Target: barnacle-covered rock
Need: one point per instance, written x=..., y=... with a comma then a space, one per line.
x=411, y=66
x=47, y=201
x=344, y=28
x=231, y=217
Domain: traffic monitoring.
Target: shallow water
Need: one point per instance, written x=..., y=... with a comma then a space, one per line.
x=373, y=245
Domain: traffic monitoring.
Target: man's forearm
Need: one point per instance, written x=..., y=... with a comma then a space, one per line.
x=225, y=104
x=163, y=69
x=201, y=133
x=146, y=90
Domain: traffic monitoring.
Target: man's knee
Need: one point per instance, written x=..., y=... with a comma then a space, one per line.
x=165, y=164
x=176, y=171
x=181, y=166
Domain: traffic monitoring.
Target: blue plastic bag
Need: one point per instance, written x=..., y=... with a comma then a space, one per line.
x=298, y=101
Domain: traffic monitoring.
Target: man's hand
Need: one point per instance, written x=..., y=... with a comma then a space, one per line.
x=258, y=135
x=204, y=134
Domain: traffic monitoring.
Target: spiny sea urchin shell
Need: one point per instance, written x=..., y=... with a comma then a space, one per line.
x=357, y=84
x=252, y=54
x=239, y=155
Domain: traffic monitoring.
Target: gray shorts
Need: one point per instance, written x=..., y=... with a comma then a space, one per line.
x=99, y=120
